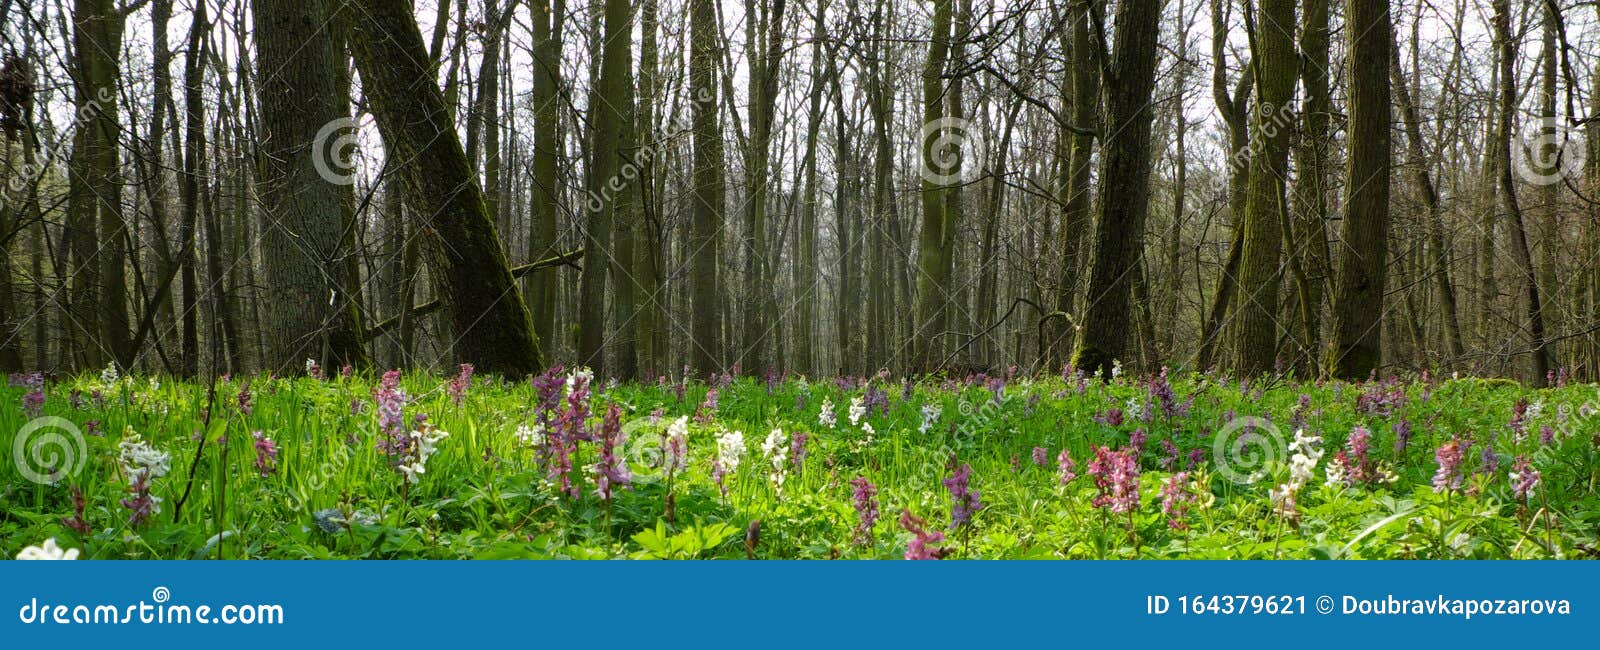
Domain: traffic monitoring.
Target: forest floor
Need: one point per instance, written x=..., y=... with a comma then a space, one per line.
x=1187, y=466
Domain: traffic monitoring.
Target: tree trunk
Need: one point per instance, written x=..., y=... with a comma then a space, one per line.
x=1124, y=189
x=491, y=321
x=1275, y=62
x=706, y=233
x=1363, y=268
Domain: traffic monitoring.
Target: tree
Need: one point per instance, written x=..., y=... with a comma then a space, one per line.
x=540, y=289
x=311, y=310
x=1364, y=266
x=610, y=115
x=1538, y=352
x=706, y=228
x=492, y=325
x=1124, y=188
x=933, y=244
x=1275, y=62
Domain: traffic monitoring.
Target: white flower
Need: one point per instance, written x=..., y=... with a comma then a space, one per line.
x=730, y=450
x=138, y=457
x=858, y=409
x=311, y=366
x=827, y=417
x=584, y=374
x=1335, y=473
x=776, y=449
x=930, y=416
x=533, y=436
x=48, y=551
x=1134, y=409
x=413, y=472
x=427, y=442
x=109, y=375
x=1534, y=410
x=1116, y=368
x=676, y=452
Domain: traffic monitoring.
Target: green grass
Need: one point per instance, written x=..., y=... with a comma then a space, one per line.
x=484, y=495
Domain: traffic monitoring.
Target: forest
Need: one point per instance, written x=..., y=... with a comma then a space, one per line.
x=203, y=187
x=306, y=279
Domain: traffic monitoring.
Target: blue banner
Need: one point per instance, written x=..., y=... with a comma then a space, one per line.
x=794, y=604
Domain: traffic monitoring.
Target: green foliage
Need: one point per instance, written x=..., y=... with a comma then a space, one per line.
x=487, y=494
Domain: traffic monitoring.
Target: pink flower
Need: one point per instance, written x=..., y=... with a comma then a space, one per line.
x=920, y=547
x=1116, y=475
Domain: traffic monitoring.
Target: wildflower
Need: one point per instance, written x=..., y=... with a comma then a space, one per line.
x=1135, y=409
x=460, y=383
x=1112, y=417
x=611, y=471
x=865, y=499
x=109, y=375
x=1524, y=478
x=1547, y=435
x=246, y=406
x=33, y=402
x=391, y=401
x=674, y=451
x=858, y=409
x=1041, y=456
x=776, y=449
x=730, y=451
x=425, y=442
x=1116, y=475
x=797, y=450
x=1065, y=467
x=930, y=416
x=827, y=417
x=708, y=408
x=875, y=400
x=266, y=454
x=1402, y=435
x=1488, y=461
x=1336, y=474
x=1306, y=451
x=1175, y=499
x=1359, y=460
x=533, y=437
x=313, y=370
x=48, y=551
x=1448, y=476
x=964, y=501
x=79, y=504
x=140, y=458
x=921, y=545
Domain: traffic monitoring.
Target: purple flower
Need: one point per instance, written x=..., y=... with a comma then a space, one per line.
x=460, y=383
x=1160, y=391
x=875, y=399
x=964, y=501
x=1448, y=476
x=33, y=402
x=1065, y=467
x=266, y=454
x=920, y=547
x=1175, y=499
x=1041, y=456
x=1360, y=446
x=245, y=405
x=1137, y=439
x=140, y=504
x=1170, y=454
x=1402, y=435
x=1523, y=478
x=1111, y=418
x=1547, y=435
x=1116, y=475
x=797, y=450
x=612, y=471
x=708, y=408
x=865, y=499
x=394, y=440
